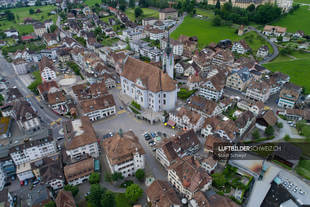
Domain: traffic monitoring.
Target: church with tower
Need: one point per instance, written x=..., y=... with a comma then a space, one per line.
x=151, y=87
x=168, y=60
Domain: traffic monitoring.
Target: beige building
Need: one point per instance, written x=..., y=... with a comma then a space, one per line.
x=39, y=29
x=124, y=153
x=168, y=13
x=188, y=177
x=79, y=172
x=239, y=79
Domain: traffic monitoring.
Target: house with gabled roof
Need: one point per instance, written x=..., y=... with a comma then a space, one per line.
x=239, y=79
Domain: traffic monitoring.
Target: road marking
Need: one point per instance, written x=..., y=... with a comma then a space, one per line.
x=28, y=96
x=122, y=111
x=38, y=98
x=53, y=123
x=118, y=87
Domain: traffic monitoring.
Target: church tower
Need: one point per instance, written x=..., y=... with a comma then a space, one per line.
x=168, y=60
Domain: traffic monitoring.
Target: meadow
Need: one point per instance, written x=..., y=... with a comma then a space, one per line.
x=299, y=20
x=296, y=65
x=22, y=13
x=207, y=33
x=146, y=13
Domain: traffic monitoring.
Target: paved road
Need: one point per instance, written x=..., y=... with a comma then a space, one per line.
x=126, y=121
x=7, y=71
x=273, y=45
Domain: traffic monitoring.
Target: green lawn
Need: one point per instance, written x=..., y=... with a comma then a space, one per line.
x=146, y=13
x=208, y=33
x=303, y=168
x=299, y=20
x=204, y=30
x=92, y=2
x=255, y=41
x=21, y=13
x=302, y=1
x=106, y=19
x=121, y=200
x=297, y=69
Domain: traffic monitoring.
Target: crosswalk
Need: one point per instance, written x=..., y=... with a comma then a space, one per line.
x=121, y=112
x=55, y=122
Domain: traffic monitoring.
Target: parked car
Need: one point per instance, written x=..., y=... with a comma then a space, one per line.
x=121, y=108
x=150, y=142
x=147, y=138
x=153, y=134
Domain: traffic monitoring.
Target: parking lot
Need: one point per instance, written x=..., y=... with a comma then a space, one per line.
x=126, y=121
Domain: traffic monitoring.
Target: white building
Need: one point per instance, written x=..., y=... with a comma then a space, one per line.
x=24, y=172
x=78, y=172
x=124, y=153
x=47, y=69
x=157, y=34
x=10, y=33
x=213, y=87
x=258, y=91
x=98, y=108
x=187, y=177
x=33, y=150
x=148, y=85
x=19, y=66
x=288, y=98
x=263, y=51
x=240, y=47
x=177, y=46
x=186, y=119
x=2, y=179
x=80, y=138
x=286, y=5
x=133, y=34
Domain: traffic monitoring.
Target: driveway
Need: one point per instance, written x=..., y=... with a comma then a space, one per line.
x=273, y=45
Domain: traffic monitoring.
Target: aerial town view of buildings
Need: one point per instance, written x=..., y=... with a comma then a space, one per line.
x=129, y=103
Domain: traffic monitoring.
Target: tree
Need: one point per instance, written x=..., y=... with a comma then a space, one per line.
x=218, y=180
x=255, y=134
x=95, y=195
x=31, y=11
x=287, y=137
x=9, y=15
x=251, y=8
x=138, y=12
x=279, y=125
x=117, y=176
x=50, y=204
x=107, y=199
x=300, y=125
x=38, y=3
x=1, y=99
x=133, y=193
x=53, y=28
x=122, y=7
x=107, y=177
x=269, y=131
x=132, y=3
x=140, y=174
x=94, y=178
x=216, y=21
x=74, y=189
x=218, y=4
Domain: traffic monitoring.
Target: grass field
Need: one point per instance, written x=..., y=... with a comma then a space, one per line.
x=303, y=168
x=297, y=68
x=302, y=1
x=146, y=13
x=92, y=2
x=207, y=33
x=21, y=13
x=299, y=20
x=204, y=30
